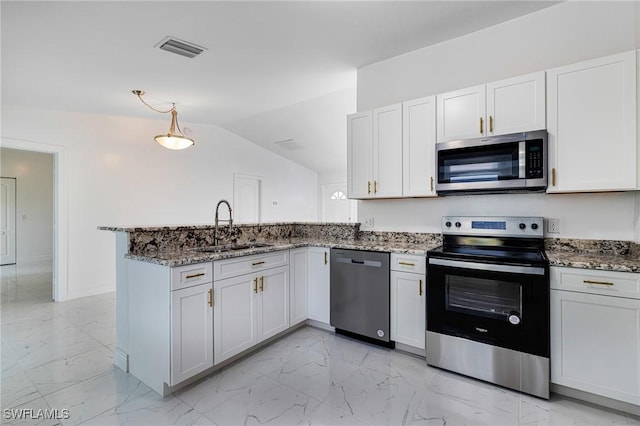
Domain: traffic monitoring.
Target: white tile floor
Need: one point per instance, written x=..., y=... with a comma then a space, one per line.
x=58, y=356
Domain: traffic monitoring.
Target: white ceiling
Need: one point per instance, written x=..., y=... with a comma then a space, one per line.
x=272, y=71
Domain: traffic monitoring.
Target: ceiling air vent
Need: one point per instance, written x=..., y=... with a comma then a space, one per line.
x=180, y=47
x=289, y=145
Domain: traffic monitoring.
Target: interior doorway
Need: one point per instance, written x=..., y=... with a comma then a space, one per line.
x=55, y=261
x=246, y=198
x=336, y=207
x=7, y=221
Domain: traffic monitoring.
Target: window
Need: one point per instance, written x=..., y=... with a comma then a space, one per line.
x=338, y=195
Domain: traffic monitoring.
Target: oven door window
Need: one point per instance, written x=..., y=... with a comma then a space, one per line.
x=489, y=298
x=479, y=164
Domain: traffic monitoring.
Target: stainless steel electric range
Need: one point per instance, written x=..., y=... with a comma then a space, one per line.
x=488, y=302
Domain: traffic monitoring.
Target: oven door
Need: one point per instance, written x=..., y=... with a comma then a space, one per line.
x=497, y=304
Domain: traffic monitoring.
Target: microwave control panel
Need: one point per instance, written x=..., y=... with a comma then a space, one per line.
x=535, y=159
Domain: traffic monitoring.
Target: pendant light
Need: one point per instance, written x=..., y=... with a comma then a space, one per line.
x=171, y=140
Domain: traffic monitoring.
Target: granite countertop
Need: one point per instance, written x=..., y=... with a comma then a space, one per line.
x=190, y=256
x=606, y=262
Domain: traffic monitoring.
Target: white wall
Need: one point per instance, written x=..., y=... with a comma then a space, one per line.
x=34, y=204
x=117, y=175
x=562, y=34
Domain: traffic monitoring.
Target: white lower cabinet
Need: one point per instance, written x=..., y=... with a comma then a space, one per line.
x=298, y=285
x=191, y=331
x=595, y=333
x=249, y=308
x=319, y=276
x=408, y=300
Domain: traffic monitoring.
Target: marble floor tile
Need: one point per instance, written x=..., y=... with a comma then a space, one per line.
x=58, y=356
x=70, y=370
x=93, y=397
x=265, y=401
x=36, y=412
x=36, y=342
x=150, y=409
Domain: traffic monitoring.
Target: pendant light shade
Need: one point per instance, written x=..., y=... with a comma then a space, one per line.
x=171, y=140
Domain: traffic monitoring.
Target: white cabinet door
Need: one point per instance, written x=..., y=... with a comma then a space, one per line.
x=319, y=277
x=418, y=147
x=234, y=321
x=273, y=305
x=591, y=120
x=516, y=104
x=359, y=155
x=298, y=285
x=595, y=344
x=387, y=151
x=191, y=332
x=408, y=308
x=461, y=114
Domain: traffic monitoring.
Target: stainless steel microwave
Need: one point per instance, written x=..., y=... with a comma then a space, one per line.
x=496, y=164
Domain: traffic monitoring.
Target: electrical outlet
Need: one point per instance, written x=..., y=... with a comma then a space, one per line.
x=368, y=222
x=553, y=225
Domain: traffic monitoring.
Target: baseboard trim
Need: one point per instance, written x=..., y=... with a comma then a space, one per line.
x=121, y=360
x=601, y=401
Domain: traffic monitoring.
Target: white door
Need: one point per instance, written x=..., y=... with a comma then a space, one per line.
x=191, y=331
x=359, y=155
x=246, y=199
x=336, y=207
x=418, y=147
x=273, y=309
x=408, y=308
x=319, y=275
x=591, y=120
x=595, y=344
x=8, y=221
x=234, y=321
x=516, y=104
x=387, y=151
x=461, y=113
x=298, y=285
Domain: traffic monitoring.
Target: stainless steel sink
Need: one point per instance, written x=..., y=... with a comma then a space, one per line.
x=230, y=247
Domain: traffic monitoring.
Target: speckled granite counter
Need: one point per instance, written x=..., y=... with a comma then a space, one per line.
x=174, y=245
x=177, y=245
x=620, y=256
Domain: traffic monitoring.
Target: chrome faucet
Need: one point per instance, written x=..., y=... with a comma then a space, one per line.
x=230, y=221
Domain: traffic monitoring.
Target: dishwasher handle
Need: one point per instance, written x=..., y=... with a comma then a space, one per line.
x=351, y=261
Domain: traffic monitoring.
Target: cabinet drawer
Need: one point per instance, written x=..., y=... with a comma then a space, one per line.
x=190, y=275
x=408, y=263
x=609, y=283
x=246, y=264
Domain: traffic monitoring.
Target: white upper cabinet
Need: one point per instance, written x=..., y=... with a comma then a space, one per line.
x=516, y=104
x=418, y=147
x=374, y=153
x=359, y=154
x=461, y=114
x=387, y=151
x=592, y=119
x=506, y=106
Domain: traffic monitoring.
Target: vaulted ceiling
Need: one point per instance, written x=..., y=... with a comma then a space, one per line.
x=271, y=71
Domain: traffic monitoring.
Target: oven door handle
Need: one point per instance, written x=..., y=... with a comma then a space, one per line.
x=528, y=270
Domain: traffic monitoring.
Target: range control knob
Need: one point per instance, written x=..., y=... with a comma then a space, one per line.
x=448, y=224
x=534, y=226
x=522, y=226
x=458, y=224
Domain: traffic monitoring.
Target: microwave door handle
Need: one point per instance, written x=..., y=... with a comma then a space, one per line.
x=522, y=159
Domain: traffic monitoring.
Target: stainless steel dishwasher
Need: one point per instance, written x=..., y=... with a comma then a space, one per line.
x=360, y=294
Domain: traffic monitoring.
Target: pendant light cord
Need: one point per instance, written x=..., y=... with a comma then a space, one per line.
x=139, y=94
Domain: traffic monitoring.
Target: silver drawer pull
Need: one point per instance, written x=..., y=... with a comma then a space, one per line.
x=258, y=263
x=406, y=263
x=597, y=282
x=201, y=274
